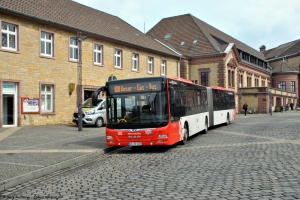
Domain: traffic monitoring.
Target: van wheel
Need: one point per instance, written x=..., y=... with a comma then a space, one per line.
x=99, y=122
x=185, y=134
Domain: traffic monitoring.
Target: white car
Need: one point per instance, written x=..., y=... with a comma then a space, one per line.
x=93, y=115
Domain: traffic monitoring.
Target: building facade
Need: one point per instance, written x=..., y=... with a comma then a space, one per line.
x=285, y=63
x=50, y=57
x=211, y=57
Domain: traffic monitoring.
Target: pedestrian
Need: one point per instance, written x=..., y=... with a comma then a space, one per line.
x=245, y=107
x=292, y=106
x=287, y=107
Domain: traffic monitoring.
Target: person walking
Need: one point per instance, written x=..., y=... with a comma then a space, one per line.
x=292, y=106
x=245, y=107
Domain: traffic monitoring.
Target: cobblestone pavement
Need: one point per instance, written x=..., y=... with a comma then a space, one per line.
x=252, y=158
x=32, y=148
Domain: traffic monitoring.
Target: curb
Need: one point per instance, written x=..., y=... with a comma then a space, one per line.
x=9, y=183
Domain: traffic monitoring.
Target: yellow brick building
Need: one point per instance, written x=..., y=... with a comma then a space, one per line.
x=39, y=58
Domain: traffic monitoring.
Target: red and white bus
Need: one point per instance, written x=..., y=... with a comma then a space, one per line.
x=162, y=110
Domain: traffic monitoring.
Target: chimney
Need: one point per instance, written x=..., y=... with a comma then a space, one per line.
x=262, y=48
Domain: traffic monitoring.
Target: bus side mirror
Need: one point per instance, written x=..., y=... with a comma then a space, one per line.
x=172, y=96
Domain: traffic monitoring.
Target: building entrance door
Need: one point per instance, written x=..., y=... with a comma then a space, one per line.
x=9, y=105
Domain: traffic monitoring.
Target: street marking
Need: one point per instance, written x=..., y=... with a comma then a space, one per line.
x=8, y=132
x=49, y=151
x=21, y=164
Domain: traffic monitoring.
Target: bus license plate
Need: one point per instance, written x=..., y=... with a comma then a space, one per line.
x=134, y=144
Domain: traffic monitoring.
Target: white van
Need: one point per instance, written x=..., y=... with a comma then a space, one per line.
x=94, y=115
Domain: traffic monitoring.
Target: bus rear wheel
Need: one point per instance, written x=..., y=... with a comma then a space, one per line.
x=205, y=126
x=227, y=120
x=185, y=134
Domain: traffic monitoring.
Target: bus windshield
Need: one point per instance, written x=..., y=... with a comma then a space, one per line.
x=144, y=108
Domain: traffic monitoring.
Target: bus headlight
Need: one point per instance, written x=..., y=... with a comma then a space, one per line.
x=163, y=136
x=109, y=137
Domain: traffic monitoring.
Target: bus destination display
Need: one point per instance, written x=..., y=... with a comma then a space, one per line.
x=135, y=87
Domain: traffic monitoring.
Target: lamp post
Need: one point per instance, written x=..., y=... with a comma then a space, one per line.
x=79, y=40
x=270, y=96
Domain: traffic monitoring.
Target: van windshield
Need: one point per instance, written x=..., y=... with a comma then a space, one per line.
x=88, y=103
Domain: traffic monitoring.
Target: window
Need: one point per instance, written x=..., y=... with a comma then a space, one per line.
x=249, y=80
x=204, y=78
x=150, y=65
x=230, y=78
x=73, y=49
x=263, y=83
x=46, y=44
x=168, y=36
x=282, y=85
x=98, y=59
x=9, y=36
x=135, y=62
x=256, y=82
x=163, y=70
x=118, y=58
x=47, y=94
x=195, y=41
x=241, y=80
x=293, y=89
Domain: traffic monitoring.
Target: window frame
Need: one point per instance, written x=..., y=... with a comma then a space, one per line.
x=204, y=80
x=17, y=37
x=53, y=90
x=150, y=64
x=98, y=52
x=52, y=54
x=163, y=67
x=74, y=47
x=135, y=60
x=293, y=86
x=120, y=56
x=283, y=85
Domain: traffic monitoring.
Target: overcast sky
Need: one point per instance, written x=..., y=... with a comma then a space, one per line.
x=253, y=22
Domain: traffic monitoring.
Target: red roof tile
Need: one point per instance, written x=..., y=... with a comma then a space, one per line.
x=88, y=20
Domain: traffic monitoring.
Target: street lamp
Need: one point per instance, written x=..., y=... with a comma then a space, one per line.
x=79, y=40
x=270, y=97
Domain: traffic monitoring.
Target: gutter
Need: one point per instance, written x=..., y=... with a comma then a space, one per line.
x=169, y=48
x=78, y=29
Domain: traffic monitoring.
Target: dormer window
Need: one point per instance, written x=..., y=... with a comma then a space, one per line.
x=168, y=36
x=195, y=41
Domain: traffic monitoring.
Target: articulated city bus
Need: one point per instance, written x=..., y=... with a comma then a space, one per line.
x=162, y=110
